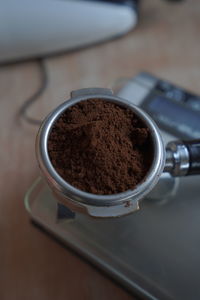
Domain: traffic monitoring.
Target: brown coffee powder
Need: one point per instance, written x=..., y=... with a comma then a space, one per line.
x=100, y=147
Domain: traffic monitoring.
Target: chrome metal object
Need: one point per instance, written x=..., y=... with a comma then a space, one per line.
x=177, y=158
x=99, y=205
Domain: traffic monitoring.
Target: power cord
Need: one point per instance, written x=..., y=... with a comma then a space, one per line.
x=23, y=111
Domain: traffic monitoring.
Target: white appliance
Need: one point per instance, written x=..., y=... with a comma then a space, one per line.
x=34, y=28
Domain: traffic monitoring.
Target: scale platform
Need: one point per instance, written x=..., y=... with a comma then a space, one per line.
x=154, y=252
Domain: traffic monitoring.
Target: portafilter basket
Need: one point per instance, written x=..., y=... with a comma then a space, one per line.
x=176, y=162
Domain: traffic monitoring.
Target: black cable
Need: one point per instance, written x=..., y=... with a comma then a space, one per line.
x=23, y=111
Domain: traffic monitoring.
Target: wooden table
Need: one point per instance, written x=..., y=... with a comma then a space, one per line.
x=32, y=265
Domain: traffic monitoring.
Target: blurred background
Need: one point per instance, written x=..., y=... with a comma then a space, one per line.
x=48, y=49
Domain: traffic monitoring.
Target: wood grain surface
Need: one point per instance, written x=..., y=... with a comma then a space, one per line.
x=32, y=265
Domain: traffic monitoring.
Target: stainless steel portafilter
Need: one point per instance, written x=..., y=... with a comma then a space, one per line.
x=179, y=159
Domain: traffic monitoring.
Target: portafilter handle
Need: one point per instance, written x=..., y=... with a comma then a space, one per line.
x=183, y=158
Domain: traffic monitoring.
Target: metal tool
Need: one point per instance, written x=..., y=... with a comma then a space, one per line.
x=183, y=158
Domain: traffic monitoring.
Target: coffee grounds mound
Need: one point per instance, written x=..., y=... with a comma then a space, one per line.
x=100, y=147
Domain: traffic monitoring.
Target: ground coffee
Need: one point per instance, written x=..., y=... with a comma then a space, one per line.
x=100, y=147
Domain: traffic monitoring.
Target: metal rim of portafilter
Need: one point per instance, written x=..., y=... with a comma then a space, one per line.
x=98, y=205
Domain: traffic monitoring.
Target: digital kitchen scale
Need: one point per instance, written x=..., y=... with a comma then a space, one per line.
x=153, y=252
